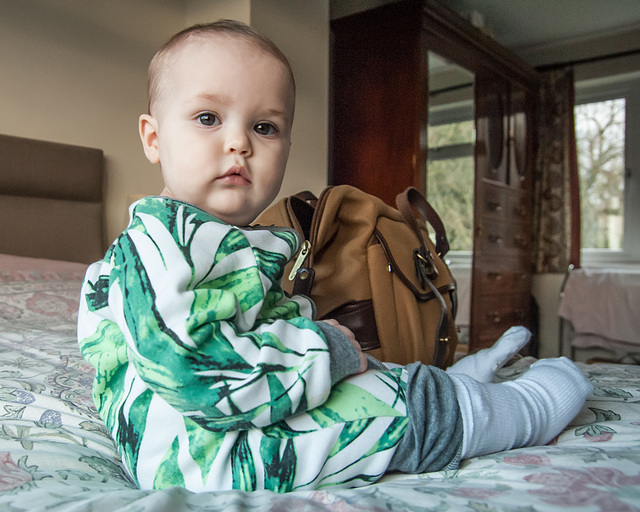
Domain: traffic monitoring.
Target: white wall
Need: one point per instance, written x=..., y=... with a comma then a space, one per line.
x=203, y=11
x=74, y=71
x=546, y=290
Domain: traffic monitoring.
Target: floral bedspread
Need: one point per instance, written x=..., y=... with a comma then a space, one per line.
x=55, y=453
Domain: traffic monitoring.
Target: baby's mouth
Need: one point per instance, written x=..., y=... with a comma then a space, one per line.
x=236, y=175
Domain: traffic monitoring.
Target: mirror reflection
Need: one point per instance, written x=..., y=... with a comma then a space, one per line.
x=450, y=140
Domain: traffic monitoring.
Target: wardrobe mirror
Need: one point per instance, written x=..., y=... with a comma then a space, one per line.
x=450, y=141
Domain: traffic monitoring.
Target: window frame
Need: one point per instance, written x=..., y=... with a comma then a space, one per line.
x=627, y=87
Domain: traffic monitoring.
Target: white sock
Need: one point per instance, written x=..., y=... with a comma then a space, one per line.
x=530, y=410
x=483, y=365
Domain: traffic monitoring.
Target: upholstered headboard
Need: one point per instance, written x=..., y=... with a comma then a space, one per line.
x=51, y=200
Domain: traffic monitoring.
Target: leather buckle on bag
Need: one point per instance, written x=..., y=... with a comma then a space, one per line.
x=425, y=266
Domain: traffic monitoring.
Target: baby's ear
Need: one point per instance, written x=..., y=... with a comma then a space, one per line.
x=148, y=128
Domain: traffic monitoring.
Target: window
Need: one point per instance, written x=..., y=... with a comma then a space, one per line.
x=607, y=121
x=600, y=128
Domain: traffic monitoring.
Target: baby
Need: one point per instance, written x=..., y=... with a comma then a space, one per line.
x=207, y=375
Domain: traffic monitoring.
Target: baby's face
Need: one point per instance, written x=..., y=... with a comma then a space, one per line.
x=222, y=128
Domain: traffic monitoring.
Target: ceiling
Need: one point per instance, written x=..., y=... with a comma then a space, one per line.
x=521, y=24
x=543, y=32
x=535, y=28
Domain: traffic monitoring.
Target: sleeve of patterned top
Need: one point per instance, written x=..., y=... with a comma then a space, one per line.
x=192, y=308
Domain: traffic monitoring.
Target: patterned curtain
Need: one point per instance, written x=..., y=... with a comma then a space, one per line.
x=556, y=198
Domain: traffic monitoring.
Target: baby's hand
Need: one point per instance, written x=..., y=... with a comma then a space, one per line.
x=352, y=338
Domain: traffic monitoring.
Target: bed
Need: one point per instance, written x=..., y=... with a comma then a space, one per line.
x=56, y=455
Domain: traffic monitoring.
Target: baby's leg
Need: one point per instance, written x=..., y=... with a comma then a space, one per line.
x=483, y=365
x=530, y=410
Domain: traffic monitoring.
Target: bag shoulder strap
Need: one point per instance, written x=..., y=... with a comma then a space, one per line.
x=411, y=200
x=308, y=197
x=408, y=203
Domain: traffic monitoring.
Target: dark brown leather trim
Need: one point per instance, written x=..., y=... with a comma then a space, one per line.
x=360, y=318
x=304, y=280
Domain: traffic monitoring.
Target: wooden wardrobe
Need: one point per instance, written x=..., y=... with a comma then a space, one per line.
x=378, y=127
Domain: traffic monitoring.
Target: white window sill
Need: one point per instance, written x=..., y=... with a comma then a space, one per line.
x=599, y=258
x=596, y=258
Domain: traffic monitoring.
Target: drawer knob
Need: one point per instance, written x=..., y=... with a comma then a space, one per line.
x=494, y=317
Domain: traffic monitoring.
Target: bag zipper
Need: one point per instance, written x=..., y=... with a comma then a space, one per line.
x=302, y=255
x=313, y=235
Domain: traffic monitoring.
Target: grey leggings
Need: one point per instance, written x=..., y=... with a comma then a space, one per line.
x=433, y=438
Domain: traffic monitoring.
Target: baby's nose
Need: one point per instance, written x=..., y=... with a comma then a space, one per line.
x=238, y=142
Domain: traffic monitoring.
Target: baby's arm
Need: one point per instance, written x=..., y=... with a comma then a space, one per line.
x=343, y=347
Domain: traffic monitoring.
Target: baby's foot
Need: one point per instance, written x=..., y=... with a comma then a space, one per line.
x=530, y=410
x=564, y=388
x=483, y=365
x=555, y=390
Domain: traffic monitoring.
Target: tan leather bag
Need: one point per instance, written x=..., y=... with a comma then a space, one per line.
x=375, y=270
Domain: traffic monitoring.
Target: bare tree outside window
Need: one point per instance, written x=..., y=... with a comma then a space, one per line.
x=600, y=139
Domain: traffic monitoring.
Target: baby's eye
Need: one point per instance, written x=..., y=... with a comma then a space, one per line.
x=208, y=119
x=265, y=129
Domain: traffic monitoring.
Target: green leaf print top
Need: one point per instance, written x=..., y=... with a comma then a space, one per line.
x=210, y=378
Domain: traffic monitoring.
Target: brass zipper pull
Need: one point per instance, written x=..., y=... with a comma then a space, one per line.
x=302, y=255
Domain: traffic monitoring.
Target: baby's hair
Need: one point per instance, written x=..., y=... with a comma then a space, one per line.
x=158, y=64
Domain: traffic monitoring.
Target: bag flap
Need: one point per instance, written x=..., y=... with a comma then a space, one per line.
x=399, y=243
x=348, y=221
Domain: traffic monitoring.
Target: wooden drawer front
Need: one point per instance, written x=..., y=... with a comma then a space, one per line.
x=488, y=336
x=496, y=314
x=493, y=282
x=503, y=202
x=520, y=209
x=506, y=238
x=495, y=201
x=511, y=309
